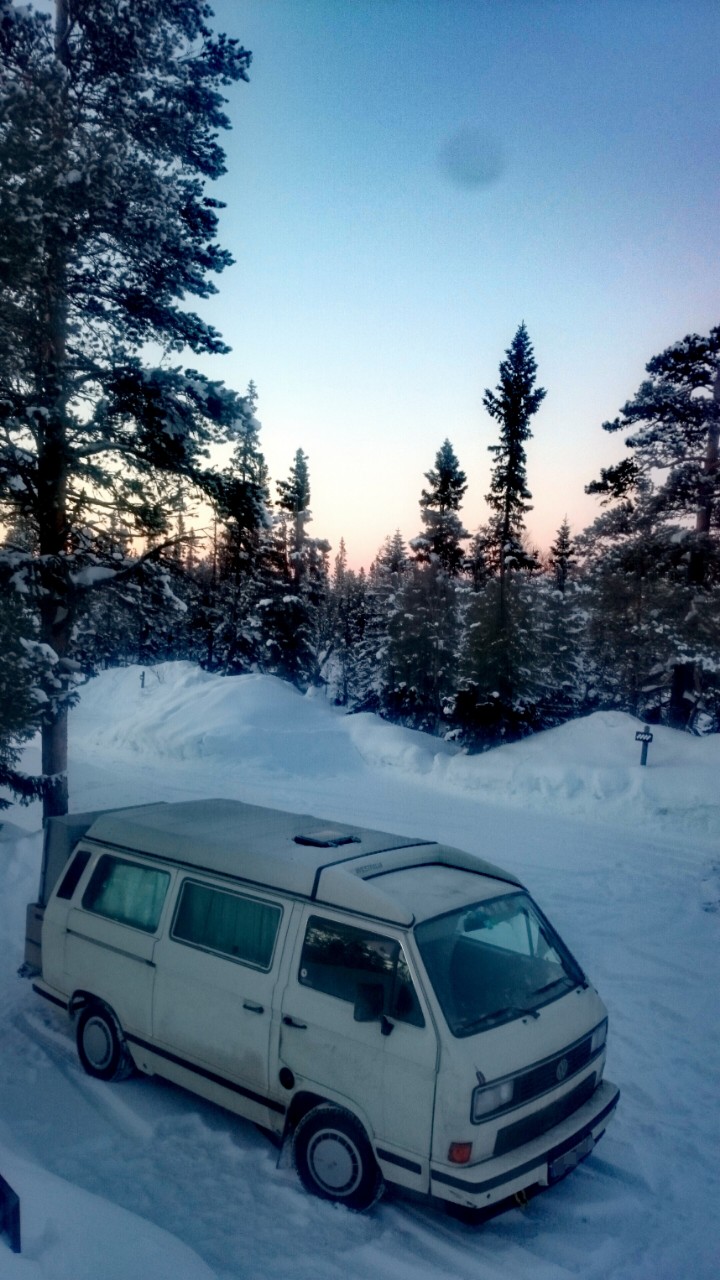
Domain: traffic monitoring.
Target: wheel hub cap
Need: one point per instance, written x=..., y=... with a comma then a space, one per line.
x=334, y=1161
x=97, y=1043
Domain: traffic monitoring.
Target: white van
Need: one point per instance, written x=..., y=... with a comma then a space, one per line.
x=394, y=1010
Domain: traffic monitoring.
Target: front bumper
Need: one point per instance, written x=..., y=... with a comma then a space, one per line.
x=538, y=1163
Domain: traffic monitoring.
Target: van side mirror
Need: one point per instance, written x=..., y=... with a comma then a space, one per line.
x=369, y=1002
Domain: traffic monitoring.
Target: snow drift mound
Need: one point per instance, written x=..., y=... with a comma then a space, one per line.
x=254, y=726
x=71, y=1234
x=592, y=766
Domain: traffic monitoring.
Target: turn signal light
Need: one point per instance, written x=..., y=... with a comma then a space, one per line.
x=460, y=1152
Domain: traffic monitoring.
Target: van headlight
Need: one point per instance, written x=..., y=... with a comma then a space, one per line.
x=599, y=1036
x=491, y=1097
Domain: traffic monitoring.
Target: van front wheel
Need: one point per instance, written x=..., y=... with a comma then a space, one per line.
x=334, y=1159
x=100, y=1047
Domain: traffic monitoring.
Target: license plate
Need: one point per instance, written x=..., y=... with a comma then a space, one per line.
x=569, y=1159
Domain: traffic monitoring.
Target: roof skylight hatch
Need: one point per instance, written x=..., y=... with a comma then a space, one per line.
x=326, y=838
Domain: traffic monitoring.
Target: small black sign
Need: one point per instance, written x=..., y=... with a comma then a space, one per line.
x=643, y=737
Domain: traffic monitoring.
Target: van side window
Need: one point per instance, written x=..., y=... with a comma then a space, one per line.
x=340, y=959
x=243, y=928
x=73, y=875
x=127, y=892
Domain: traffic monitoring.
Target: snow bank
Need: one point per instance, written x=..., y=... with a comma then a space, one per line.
x=69, y=1234
x=591, y=767
x=588, y=768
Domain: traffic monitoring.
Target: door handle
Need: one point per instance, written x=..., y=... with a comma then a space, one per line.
x=293, y=1022
x=252, y=1007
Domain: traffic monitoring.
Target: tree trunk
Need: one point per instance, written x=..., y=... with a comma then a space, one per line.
x=681, y=703
x=54, y=765
x=55, y=614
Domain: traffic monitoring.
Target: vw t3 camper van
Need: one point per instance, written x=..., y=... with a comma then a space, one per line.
x=394, y=1010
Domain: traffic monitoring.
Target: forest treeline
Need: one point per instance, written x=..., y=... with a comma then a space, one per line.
x=477, y=637
x=110, y=118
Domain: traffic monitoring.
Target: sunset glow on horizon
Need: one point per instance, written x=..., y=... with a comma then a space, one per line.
x=408, y=181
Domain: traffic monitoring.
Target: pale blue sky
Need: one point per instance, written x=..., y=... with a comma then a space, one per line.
x=408, y=181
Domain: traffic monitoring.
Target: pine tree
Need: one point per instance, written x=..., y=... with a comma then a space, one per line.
x=562, y=554
x=243, y=502
x=479, y=562
x=514, y=402
x=500, y=684
x=560, y=624
x=349, y=619
x=440, y=543
x=294, y=505
x=295, y=610
x=664, y=515
x=108, y=132
x=376, y=676
x=21, y=665
x=423, y=629
x=498, y=689
x=420, y=660
x=632, y=596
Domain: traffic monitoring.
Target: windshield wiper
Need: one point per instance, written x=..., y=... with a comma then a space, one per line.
x=549, y=985
x=496, y=1015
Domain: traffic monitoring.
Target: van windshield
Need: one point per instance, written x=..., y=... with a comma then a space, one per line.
x=495, y=961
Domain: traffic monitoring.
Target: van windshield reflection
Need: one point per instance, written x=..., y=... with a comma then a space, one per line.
x=495, y=961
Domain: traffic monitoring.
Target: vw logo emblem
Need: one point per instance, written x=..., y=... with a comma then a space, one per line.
x=561, y=1070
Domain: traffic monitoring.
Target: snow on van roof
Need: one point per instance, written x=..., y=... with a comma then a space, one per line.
x=335, y=864
x=432, y=889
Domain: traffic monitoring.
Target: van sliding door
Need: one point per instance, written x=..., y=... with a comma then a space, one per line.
x=214, y=984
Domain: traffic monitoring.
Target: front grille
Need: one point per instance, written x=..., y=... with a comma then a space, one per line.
x=533, y=1126
x=544, y=1078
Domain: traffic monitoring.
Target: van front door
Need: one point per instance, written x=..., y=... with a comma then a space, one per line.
x=354, y=1029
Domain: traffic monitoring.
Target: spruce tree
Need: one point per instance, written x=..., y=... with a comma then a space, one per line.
x=498, y=689
x=243, y=503
x=423, y=631
x=632, y=596
x=294, y=505
x=514, y=402
x=348, y=622
x=21, y=667
x=560, y=626
x=109, y=129
x=421, y=649
x=295, y=610
x=385, y=579
x=562, y=555
x=440, y=542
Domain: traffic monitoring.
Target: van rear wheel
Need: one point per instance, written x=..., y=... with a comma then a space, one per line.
x=334, y=1158
x=100, y=1046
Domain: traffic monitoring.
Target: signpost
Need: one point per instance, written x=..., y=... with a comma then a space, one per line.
x=644, y=736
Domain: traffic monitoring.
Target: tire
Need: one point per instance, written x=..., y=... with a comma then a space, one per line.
x=100, y=1046
x=334, y=1158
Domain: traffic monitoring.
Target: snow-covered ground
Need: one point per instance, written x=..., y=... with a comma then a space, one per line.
x=140, y=1179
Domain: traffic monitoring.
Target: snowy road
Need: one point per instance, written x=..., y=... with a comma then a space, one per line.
x=635, y=897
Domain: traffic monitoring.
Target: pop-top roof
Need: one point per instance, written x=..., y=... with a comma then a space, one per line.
x=334, y=863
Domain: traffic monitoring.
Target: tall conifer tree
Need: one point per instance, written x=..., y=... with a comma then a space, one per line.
x=441, y=541
x=108, y=133
x=662, y=529
x=498, y=686
x=514, y=402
